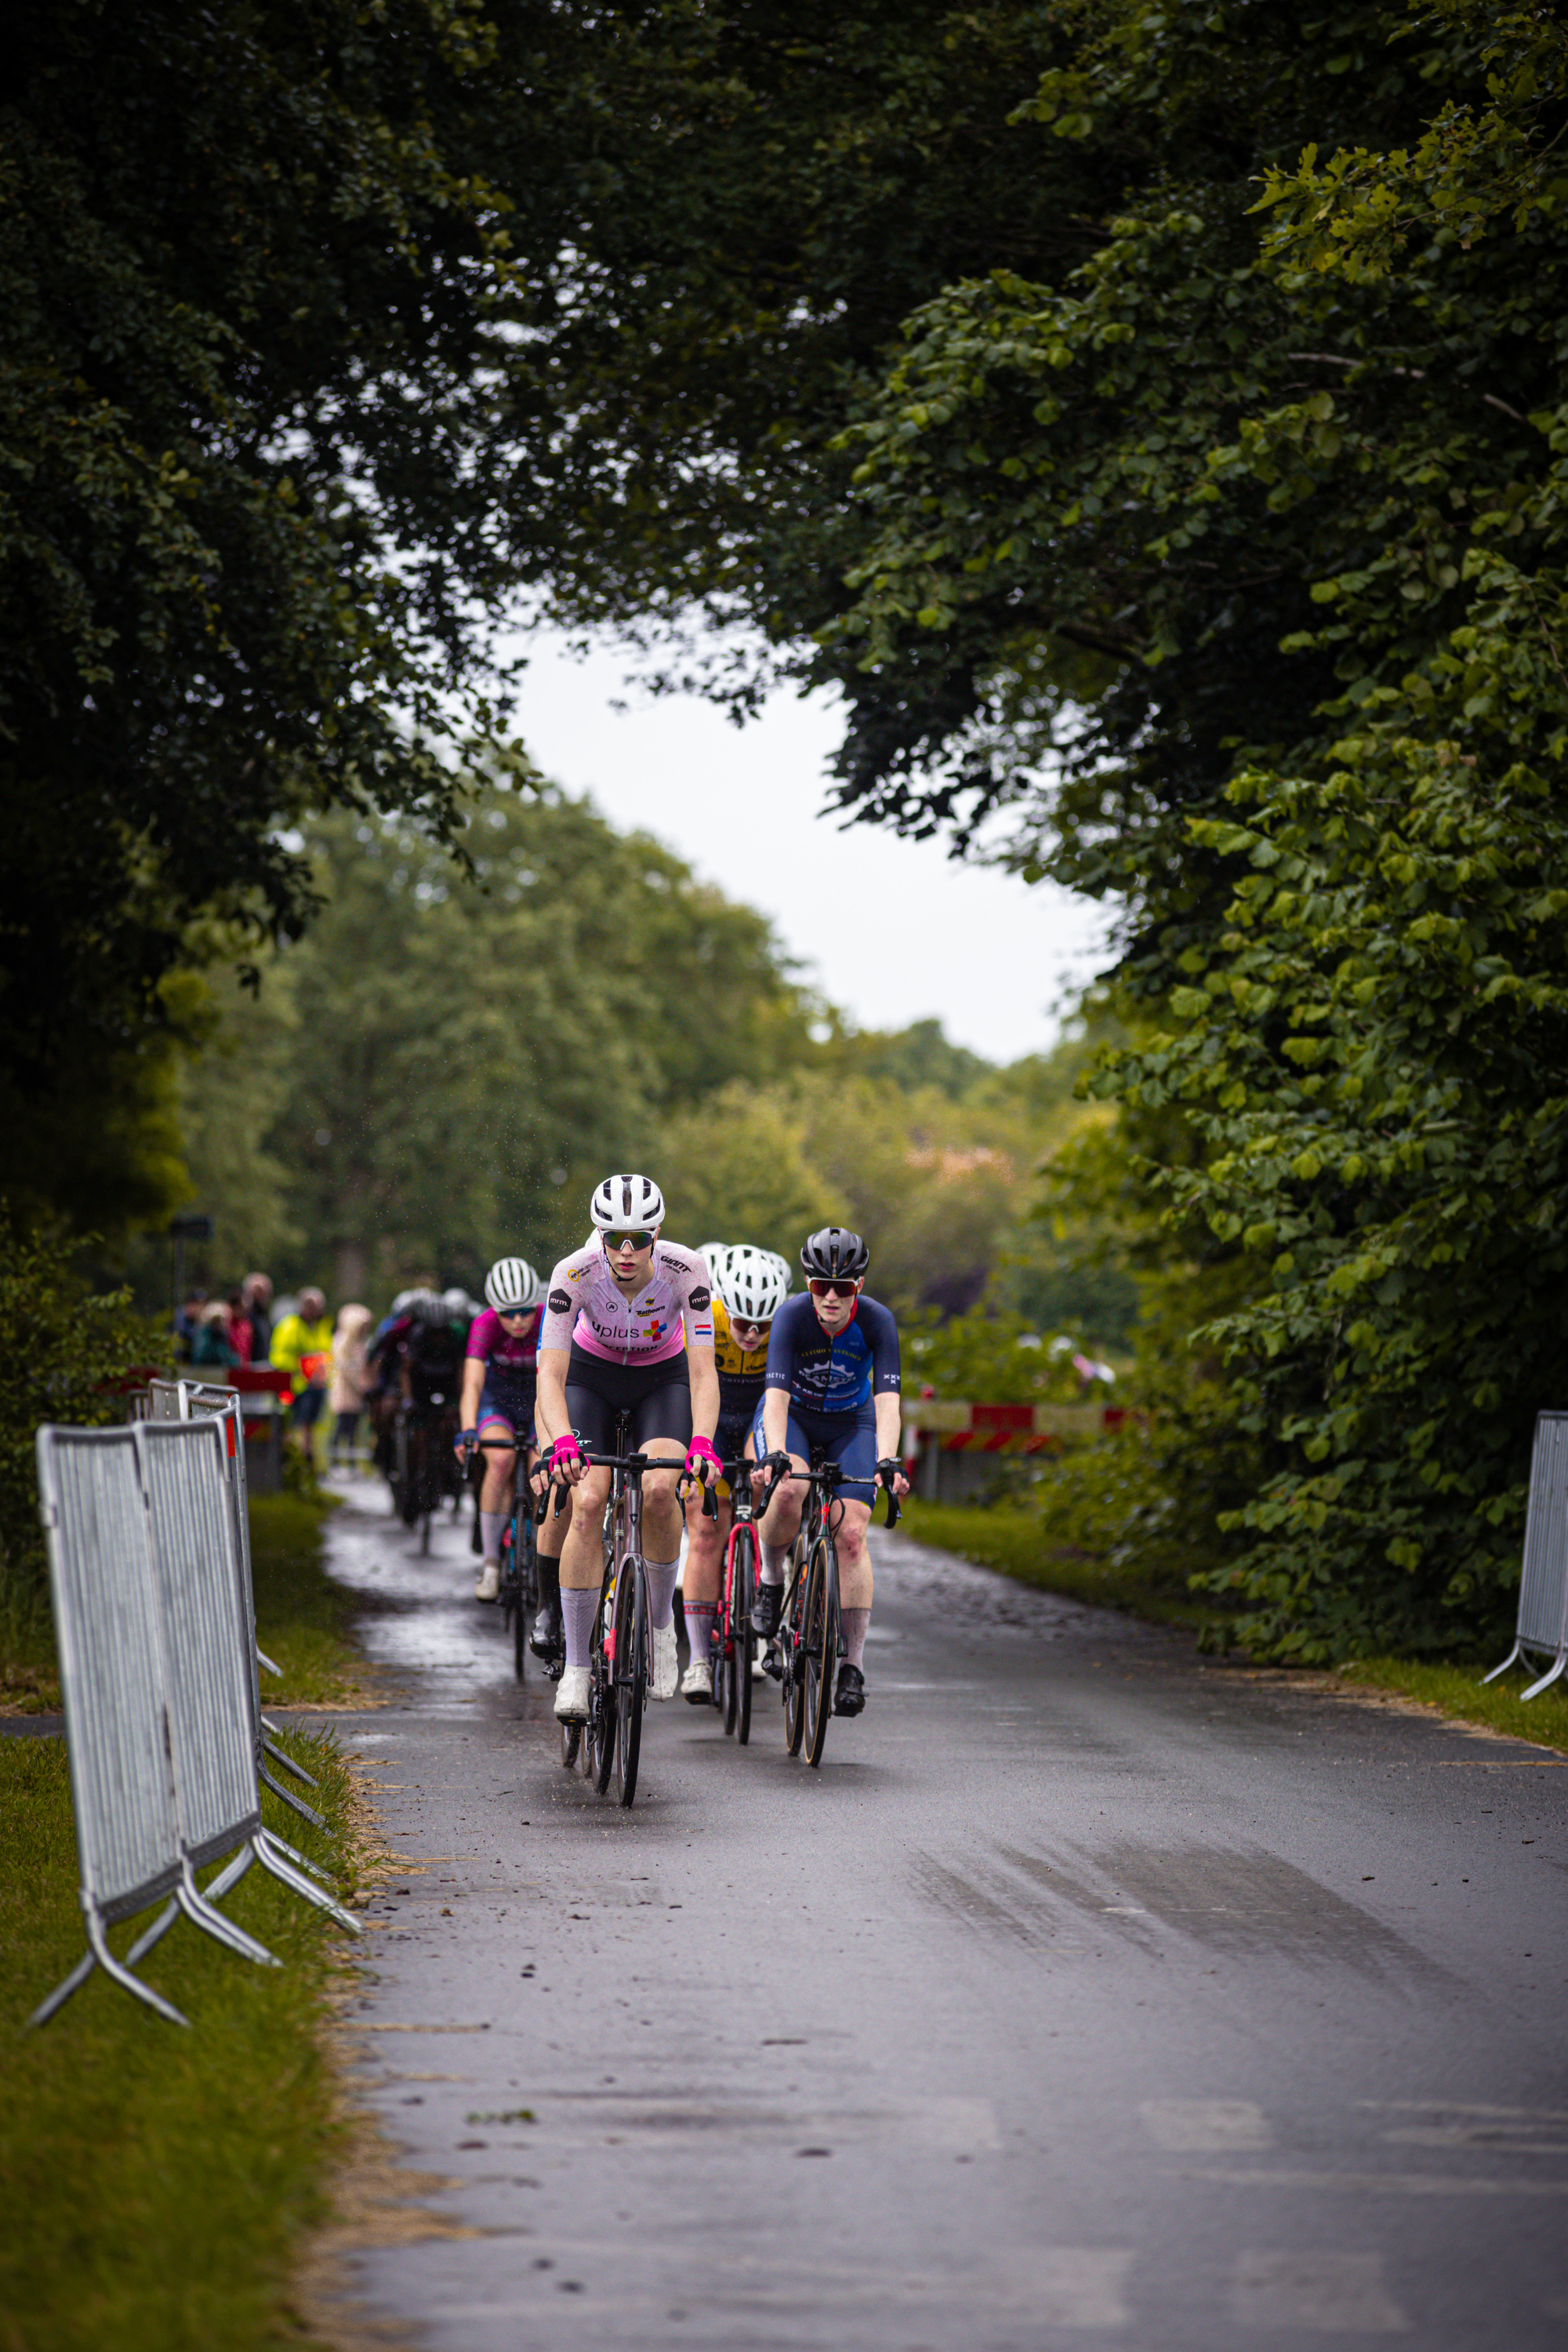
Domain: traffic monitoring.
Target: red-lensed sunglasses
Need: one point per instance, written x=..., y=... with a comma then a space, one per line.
x=833, y=1289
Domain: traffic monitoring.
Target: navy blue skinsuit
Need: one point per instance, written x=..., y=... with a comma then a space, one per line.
x=832, y=1384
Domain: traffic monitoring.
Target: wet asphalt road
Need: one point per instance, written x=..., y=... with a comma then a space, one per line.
x=1086, y=1994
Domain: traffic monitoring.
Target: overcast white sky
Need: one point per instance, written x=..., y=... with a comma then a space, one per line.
x=890, y=931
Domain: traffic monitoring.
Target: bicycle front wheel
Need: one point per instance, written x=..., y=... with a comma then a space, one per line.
x=792, y=1637
x=820, y=1618
x=742, y=1583
x=631, y=1673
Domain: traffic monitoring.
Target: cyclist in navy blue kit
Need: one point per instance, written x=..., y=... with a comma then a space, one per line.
x=832, y=1381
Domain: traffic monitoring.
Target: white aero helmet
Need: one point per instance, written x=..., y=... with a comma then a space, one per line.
x=511, y=1284
x=752, y=1282
x=627, y=1204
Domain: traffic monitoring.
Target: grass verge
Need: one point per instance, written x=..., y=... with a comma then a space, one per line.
x=156, y=2183
x=1457, y=1692
x=1010, y=1537
x=302, y=1617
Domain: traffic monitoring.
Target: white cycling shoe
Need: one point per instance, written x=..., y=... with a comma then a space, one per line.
x=489, y=1585
x=666, y=1661
x=697, y=1682
x=572, y=1695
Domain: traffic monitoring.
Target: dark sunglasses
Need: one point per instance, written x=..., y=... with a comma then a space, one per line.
x=637, y=1241
x=739, y=1323
x=513, y=1314
x=833, y=1289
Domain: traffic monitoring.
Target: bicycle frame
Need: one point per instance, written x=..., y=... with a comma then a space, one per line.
x=617, y=1687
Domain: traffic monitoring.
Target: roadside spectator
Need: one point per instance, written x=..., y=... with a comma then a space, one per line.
x=351, y=1380
x=186, y=1317
x=210, y=1342
x=303, y=1346
x=255, y=1294
x=240, y=1337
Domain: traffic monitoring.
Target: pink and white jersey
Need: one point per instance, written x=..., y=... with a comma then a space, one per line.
x=494, y=1345
x=586, y=1309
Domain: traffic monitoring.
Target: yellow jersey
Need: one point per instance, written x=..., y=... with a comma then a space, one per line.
x=741, y=1369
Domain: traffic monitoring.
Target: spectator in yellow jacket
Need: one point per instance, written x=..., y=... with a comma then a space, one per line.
x=303, y=1346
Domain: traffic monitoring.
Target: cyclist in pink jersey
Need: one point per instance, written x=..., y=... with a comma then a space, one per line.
x=500, y=1374
x=628, y=1327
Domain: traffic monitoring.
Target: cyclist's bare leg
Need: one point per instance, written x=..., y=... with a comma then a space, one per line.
x=780, y=1523
x=661, y=1511
x=549, y=1536
x=495, y=1494
x=705, y=1541
x=581, y=1561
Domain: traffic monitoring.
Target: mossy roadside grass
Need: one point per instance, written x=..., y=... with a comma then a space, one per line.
x=1012, y=1538
x=156, y=2182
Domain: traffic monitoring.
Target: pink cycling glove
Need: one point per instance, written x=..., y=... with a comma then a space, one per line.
x=565, y=1450
x=701, y=1450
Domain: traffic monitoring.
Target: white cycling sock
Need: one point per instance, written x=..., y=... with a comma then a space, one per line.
x=491, y=1526
x=579, y=1607
x=774, y=1556
x=661, y=1576
x=855, y=1622
x=699, y=1616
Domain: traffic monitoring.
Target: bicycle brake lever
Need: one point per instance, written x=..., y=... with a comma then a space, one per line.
x=710, y=1504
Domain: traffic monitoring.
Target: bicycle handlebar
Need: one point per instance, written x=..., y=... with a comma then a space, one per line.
x=829, y=1476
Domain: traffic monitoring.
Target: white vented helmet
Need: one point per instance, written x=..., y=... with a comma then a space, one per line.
x=752, y=1282
x=713, y=1252
x=633, y=1203
x=457, y=1301
x=511, y=1284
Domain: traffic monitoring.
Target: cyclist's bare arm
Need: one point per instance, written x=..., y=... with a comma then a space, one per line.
x=551, y=1416
x=703, y=1370
x=889, y=1424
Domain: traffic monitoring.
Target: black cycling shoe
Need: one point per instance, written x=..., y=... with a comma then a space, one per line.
x=547, y=1641
x=850, y=1696
x=767, y=1607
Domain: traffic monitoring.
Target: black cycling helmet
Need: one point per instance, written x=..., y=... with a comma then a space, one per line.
x=835, y=1250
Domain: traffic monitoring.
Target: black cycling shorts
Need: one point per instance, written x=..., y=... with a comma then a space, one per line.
x=657, y=1397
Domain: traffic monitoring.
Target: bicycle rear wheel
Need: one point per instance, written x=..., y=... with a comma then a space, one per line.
x=742, y=1581
x=821, y=1621
x=631, y=1674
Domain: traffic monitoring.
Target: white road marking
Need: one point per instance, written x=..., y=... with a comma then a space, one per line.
x=1333, y=2293
x=1212, y=2126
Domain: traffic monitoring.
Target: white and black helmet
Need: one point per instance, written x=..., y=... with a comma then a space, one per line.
x=752, y=1282
x=457, y=1303
x=511, y=1284
x=832, y=1251
x=625, y=1203
x=429, y=1307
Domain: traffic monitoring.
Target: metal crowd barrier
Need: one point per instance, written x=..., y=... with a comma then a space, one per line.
x=187, y=1401
x=158, y=1679
x=1543, y=1626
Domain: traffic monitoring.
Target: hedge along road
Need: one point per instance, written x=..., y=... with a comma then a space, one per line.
x=1085, y=1988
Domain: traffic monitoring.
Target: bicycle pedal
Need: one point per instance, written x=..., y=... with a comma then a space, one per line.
x=554, y=1670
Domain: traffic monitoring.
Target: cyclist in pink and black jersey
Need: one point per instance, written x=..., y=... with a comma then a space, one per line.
x=628, y=1327
x=501, y=1373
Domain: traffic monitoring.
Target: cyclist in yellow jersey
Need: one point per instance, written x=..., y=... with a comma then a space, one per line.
x=748, y=1287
